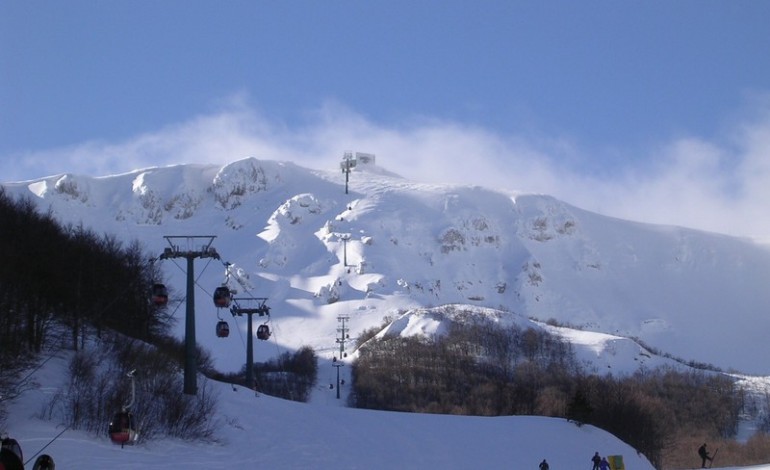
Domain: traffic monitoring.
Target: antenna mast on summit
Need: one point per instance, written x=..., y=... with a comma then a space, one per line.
x=348, y=162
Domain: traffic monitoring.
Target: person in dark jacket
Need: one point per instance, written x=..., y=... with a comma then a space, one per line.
x=596, y=460
x=704, y=455
x=544, y=465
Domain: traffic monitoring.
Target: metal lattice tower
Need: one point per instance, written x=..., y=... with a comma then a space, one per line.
x=241, y=307
x=190, y=247
x=342, y=330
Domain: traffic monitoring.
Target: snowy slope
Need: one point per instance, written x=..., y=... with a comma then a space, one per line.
x=265, y=432
x=291, y=231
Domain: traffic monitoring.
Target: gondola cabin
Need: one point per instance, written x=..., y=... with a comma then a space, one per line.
x=44, y=462
x=222, y=297
x=263, y=332
x=11, y=456
x=159, y=295
x=122, y=430
x=223, y=329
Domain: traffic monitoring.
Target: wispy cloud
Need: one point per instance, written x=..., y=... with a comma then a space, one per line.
x=718, y=185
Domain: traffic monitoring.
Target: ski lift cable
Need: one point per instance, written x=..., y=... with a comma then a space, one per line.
x=208, y=262
x=49, y=443
x=196, y=282
x=176, y=309
x=240, y=333
x=183, y=270
x=38, y=367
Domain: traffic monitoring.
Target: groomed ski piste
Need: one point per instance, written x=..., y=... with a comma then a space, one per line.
x=259, y=431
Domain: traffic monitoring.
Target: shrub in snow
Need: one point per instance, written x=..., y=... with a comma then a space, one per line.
x=98, y=388
x=451, y=240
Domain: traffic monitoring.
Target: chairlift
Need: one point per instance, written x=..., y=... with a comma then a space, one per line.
x=223, y=329
x=159, y=294
x=263, y=332
x=222, y=297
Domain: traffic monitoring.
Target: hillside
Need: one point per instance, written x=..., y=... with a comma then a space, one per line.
x=266, y=432
x=292, y=235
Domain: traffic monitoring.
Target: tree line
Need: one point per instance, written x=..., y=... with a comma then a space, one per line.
x=71, y=276
x=479, y=368
x=61, y=285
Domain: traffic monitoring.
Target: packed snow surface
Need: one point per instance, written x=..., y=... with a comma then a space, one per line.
x=266, y=432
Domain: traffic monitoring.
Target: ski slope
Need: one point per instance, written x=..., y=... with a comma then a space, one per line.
x=266, y=432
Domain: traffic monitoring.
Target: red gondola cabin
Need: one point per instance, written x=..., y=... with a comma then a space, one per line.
x=222, y=297
x=263, y=332
x=159, y=295
x=223, y=329
x=121, y=429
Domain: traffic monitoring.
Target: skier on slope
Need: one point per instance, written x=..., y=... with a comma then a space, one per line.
x=544, y=465
x=604, y=465
x=704, y=455
x=596, y=460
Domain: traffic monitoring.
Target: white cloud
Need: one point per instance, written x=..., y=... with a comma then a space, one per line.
x=693, y=182
x=716, y=186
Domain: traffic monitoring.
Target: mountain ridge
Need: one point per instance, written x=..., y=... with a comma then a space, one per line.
x=391, y=245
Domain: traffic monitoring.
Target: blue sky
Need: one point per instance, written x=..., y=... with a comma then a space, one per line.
x=649, y=110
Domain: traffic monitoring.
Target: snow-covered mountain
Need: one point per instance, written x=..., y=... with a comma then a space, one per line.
x=391, y=247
